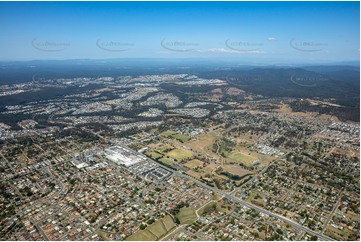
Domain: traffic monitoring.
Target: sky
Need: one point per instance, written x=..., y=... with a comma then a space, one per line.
x=264, y=32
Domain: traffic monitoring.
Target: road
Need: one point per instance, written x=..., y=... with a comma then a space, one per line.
x=231, y=197
x=39, y=229
x=332, y=213
x=246, y=204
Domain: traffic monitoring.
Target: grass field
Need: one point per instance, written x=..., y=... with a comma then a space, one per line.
x=168, y=222
x=242, y=157
x=203, y=141
x=204, y=208
x=181, y=137
x=164, y=148
x=187, y=215
x=142, y=235
x=168, y=133
x=194, y=174
x=236, y=170
x=167, y=161
x=157, y=228
x=180, y=154
x=153, y=155
x=193, y=164
x=154, y=231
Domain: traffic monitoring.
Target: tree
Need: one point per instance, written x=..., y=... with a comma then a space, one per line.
x=177, y=220
x=314, y=238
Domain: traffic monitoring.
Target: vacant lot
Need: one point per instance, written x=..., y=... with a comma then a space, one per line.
x=187, y=215
x=180, y=154
x=168, y=223
x=153, y=155
x=157, y=228
x=155, y=231
x=167, y=161
x=142, y=235
x=236, y=170
x=193, y=164
x=181, y=137
x=203, y=141
x=164, y=148
x=242, y=157
x=194, y=174
x=168, y=133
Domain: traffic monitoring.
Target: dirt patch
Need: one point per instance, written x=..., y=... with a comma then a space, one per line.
x=352, y=153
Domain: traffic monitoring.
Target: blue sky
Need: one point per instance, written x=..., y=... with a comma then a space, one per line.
x=265, y=32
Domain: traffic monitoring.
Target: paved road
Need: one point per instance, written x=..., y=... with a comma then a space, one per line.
x=39, y=229
x=233, y=198
x=246, y=204
x=332, y=213
x=249, y=205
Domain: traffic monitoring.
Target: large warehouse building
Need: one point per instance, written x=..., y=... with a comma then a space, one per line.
x=122, y=156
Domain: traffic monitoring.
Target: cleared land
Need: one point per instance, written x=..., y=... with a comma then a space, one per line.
x=242, y=157
x=164, y=148
x=203, y=141
x=194, y=164
x=187, y=215
x=168, y=223
x=157, y=228
x=154, y=231
x=142, y=235
x=167, y=161
x=180, y=154
x=181, y=137
x=236, y=170
x=195, y=174
x=154, y=155
x=206, y=207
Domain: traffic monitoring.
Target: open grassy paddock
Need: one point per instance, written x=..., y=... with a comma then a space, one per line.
x=187, y=215
x=180, y=154
x=193, y=164
x=236, y=170
x=242, y=157
x=155, y=231
x=167, y=161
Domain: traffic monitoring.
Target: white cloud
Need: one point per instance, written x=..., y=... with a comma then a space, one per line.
x=223, y=50
x=272, y=39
